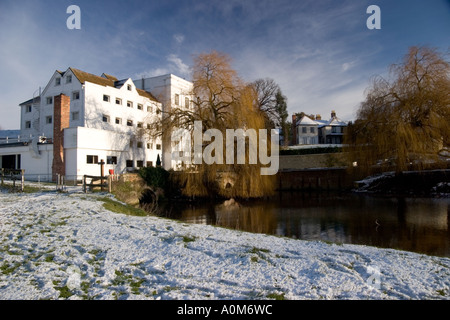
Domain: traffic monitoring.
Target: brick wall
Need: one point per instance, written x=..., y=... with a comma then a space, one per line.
x=61, y=119
x=308, y=161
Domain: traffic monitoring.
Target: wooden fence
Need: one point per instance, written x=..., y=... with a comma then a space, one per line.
x=14, y=175
x=97, y=182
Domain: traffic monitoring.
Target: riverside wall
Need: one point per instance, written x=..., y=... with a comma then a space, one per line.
x=314, y=172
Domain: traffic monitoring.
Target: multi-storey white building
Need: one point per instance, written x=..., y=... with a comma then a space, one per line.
x=80, y=119
x=172, y=92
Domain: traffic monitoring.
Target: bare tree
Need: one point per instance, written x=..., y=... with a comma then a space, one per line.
x=221, y=101
x=405, y=121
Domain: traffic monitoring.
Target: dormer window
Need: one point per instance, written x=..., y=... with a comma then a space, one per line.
x=69, y=79
x=57, y=81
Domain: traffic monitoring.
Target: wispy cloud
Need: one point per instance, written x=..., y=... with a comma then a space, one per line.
x=179, y=38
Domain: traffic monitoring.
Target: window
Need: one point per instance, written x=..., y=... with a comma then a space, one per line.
x=49, y=120
x=118, y=121
x=27, y=124
x=158, y=111
x=130, y=123
x=129, y=87
x=118, y=101
x=158, y=147
x=312, y=130
x=140, y=106
x=149, y=109
x=111, y=160
x=28, y=108
x=106, y=98
x=131, y=143
x=91, y=159
x=177, y=99
x=129, y=163
x=57, y=81
x=69, y=79
x=75, y=115
x=105, y=118
x=149, y=145
x=140, y=125
x=334, y=129
x=76, y=95
x=149, y=126
x=303, y=129
x=149, y=163
x=129, y=104
x=49, y=100
x=139, y=144
x=186, y=102
x=139, y=163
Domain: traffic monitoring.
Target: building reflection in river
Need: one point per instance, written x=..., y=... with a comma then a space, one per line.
x=413, y=224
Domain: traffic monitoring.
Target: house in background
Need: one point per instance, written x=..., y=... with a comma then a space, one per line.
x=310, y=130
x=80, y=119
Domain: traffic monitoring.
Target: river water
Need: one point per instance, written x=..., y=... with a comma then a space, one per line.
x=413, y=224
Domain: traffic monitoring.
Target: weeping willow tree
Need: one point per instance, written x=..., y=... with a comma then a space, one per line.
x=221, y=101
x=404, y=122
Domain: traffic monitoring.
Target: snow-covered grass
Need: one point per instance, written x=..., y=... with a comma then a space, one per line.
x=68, y=246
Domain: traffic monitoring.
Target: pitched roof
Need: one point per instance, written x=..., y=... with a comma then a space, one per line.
x=305, y=120
x=335, y=121
x=107, y=80
x=108, y=76
x=32, y=100
x=84, y=76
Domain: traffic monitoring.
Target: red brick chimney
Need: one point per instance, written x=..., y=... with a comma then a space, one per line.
x=61, y=119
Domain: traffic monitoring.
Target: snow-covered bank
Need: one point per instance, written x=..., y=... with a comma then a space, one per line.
x=56, y=245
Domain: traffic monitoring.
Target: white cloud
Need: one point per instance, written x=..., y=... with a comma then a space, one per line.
x=182, y=69
x=179, y=38
x=152, y=73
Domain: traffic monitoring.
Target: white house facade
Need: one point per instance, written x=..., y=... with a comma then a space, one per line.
x=310, y=131
x=80, y=119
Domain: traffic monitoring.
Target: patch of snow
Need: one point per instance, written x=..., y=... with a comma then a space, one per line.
x=67, y=245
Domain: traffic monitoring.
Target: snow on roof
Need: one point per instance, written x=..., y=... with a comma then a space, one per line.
x=335, y=121
x=305, y=120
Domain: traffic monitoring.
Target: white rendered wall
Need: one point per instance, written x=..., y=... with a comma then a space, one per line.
x=81, y=142
x=165, y=88
x=36, y=168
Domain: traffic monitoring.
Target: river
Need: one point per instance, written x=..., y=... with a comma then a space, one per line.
x=414, y=224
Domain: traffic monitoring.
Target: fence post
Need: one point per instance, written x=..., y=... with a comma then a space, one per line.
x=3, y=175
x=84, y=183
x=109, y=183
x=23, y=180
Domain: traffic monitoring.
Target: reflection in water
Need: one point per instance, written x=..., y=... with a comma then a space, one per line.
x=413, y=224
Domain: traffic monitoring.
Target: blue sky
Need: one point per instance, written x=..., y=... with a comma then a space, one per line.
x=320, y=52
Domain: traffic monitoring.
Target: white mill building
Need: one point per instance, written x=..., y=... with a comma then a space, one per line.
x=80, y=119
